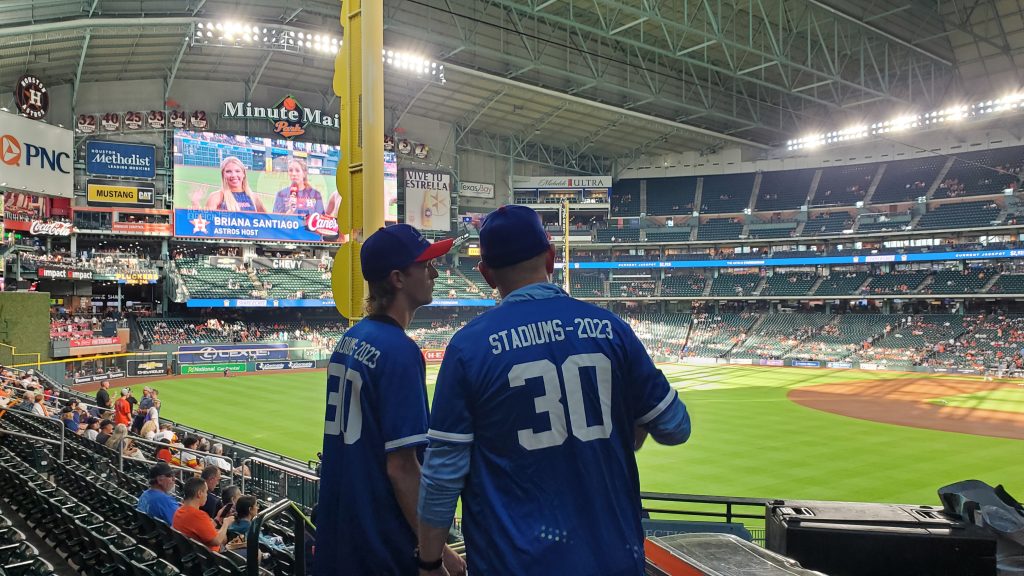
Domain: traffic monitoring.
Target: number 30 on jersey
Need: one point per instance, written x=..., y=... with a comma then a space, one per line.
x=551, y=402
x=348, y=411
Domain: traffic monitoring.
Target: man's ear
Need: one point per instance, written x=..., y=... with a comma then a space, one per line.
x=396, y=279
x=487, y=273
x=549, y=262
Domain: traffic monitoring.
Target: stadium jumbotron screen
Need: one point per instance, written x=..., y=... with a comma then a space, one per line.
x=245, y=188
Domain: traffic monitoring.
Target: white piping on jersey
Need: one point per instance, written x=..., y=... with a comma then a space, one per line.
x=672, y=394
x=450, y=436
x=403, y=442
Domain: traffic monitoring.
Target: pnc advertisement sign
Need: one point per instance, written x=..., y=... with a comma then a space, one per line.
x=36, y=157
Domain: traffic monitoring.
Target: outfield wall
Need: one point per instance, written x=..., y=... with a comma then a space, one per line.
x=840, y=365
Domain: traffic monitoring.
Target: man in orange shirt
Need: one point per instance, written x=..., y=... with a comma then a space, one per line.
x=123, y=409
x=194, y=523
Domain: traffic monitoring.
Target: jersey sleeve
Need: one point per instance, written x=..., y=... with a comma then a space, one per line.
x=450, y=417
x=403, y=402
x=649, y=391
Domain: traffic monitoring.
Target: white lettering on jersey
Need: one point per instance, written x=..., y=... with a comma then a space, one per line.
x=527, y=335
x=361, y=351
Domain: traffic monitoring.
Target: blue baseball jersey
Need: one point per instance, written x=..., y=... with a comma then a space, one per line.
x=376, y=403
x=548, y=391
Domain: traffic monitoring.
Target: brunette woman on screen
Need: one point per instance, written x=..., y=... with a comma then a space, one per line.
x=298, y=197
x=235, y=195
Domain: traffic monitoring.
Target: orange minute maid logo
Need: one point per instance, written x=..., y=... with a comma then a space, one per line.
x=292, y=120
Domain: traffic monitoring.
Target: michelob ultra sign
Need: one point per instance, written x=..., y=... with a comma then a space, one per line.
x=102, y=193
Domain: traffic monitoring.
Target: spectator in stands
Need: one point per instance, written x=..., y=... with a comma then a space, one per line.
x=234, y=195
x=166, y=434
x=246, y=509
x=157, y=501
x=191, y=521
x=40, y=409
x=123, y=409
x=69, y=418
x=211, y=475
x=114, y=442
x=140, y=415
x=106, y=429
x=92, y=428
x=103, y=397
x=190, y=459
x=229, y=495
x=216, y=458
x=589, y=483
x=28, y=402
x=371, y=486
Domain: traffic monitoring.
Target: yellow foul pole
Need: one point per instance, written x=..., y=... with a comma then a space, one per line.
x=565, y=246
x=359, y=85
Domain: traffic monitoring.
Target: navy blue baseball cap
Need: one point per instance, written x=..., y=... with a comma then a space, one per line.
x=396, y=247
x=510, y=235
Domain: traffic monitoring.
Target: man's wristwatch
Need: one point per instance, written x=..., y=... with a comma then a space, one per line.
x=424, y=565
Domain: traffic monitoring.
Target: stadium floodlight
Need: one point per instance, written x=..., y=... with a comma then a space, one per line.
x=415, y=63
x=1008, y=103
x=245, y=34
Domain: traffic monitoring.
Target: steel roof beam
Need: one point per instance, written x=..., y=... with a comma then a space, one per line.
x=78, y=71
x=177, y=61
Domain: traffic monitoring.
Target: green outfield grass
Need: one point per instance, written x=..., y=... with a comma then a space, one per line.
x=1003, y=400
x=748, y=438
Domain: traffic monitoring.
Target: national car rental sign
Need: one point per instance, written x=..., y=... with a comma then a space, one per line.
x=36, y=157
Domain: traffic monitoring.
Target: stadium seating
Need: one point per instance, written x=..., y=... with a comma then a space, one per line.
x=960, y=215
x=1008, y=284
x=906, y=180
x=844, y=185
x=296, y=283
x=982, y=172
x=662, y=333
x=910, y=342
x=789, y=284
x=690, y=285
x=625, y=198
x=784, y=189
x=720, y=229
x=968, y=281
x=777, y=334
x=670, y=196
x=895, y=282
x=726, y=193
x=840, y=283
x=713, y=335
x=587, y=285
x=726, y=284
x=828, y=224
x=775, y=230
x=884, y=224
x=618, y=235
x=205, y=281
x=843, y=336
x=669, y=234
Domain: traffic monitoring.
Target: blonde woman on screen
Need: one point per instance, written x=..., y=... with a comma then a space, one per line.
x=235, y=195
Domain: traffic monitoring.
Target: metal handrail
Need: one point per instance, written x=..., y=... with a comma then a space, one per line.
x=302, y=525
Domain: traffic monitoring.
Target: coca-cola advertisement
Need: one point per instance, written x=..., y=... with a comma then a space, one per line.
x=86, y=123
x=40, y=228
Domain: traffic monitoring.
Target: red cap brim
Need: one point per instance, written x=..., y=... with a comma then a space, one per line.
x=437, y=249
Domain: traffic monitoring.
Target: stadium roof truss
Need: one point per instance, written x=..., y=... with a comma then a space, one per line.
x=573, y=84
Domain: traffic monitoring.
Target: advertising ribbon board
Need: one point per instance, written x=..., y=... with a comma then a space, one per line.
x=286, y=365
x=138, y=368
x=120, y=159
x=215, y=368
x=193, y=354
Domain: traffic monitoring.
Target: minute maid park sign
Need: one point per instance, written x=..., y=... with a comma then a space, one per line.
x=288, y=116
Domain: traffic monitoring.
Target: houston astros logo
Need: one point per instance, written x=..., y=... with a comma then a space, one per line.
x=31, y=97
x=10, y=150
x=199, y=224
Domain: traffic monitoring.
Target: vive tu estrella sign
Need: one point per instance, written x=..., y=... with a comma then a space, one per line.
x=289, y=117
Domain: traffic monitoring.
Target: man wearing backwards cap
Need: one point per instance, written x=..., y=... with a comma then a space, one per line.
x=539, y=406
x=376, y=420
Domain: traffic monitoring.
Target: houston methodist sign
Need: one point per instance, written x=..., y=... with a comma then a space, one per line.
x=36, y=157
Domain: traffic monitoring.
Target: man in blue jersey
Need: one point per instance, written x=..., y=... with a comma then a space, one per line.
x=539, y=407
x=376, y=420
